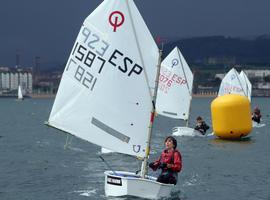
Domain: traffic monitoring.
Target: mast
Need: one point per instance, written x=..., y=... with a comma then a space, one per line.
x=150, y=130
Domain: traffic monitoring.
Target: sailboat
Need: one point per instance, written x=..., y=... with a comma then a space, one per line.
x=108, y=91
x=247, y=86
x=20, y=94
x=104, y=150
x=232, y=83
x=175, y=90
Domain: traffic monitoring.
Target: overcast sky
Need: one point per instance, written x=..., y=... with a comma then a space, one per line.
x=48, y=28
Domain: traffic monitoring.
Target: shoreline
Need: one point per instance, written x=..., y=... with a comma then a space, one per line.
x=47, y=96
x=42, y=96
x=34, y=96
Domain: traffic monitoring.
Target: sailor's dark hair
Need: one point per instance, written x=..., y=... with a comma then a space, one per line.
x=199, y=118
x=173, y=140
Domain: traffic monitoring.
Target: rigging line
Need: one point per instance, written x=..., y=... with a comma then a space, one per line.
x=189, y=89
x=183, y=71
x=107, y=164
x=139, y=49
x=68, y=141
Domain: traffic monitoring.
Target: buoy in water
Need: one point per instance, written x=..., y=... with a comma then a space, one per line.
x=231, y=116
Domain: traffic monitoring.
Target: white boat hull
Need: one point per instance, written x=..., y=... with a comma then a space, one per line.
x=185, y=131
x=257, y=125
x=104, y=150
x=129, y=184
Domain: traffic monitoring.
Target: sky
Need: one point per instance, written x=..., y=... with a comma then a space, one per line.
x=48, y=28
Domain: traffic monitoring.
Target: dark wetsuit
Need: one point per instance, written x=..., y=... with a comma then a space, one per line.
x=256, y=116
x=168, y=175
x=202, y=128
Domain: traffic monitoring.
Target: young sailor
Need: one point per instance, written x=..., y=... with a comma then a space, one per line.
x=201, y=126
x=170, y=162
x=256, y=115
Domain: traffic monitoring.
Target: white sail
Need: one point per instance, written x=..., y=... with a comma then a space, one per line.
x=175, y=87
x=231, y=84
x=20, y=95
x=106, y=89
x=247, y=86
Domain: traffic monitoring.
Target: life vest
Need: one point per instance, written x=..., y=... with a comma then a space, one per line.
x=172, y=157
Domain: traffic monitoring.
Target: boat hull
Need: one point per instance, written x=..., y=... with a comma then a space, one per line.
x=257, y=125
x=129, y=184
x=105, y=151
x=185, y=131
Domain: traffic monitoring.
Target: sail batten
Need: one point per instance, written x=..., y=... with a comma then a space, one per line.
x=110, y=130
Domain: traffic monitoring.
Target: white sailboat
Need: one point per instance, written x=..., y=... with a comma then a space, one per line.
x=104, y=150
x=20, y=94
x=175, y=90
x=107, y=92
x=247, y=86
x=232, y=83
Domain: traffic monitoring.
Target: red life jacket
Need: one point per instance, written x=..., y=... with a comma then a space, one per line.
x=173, y=157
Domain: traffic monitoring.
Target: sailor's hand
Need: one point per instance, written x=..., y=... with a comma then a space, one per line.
x=152, y=165
x=169, y=165
x=163, y=165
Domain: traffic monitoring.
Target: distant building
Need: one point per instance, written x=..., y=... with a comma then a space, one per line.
x=220, y=76
x=10, y=79
x=220, y=60
x=264, y=86
x=251, y=73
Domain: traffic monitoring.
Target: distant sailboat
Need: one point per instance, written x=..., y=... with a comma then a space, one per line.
x=108, y=91
x=20, y=94
x=175, y=89
x=248, y=88
x=232, y=83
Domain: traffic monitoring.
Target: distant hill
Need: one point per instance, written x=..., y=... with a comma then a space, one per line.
x=218, y=49
x=210, y=51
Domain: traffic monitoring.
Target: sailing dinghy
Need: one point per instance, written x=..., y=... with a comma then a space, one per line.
x=175, y=90
x=108, y=90
x=248, y=88
x=20, y=94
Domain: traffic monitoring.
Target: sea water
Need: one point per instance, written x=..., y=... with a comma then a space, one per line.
x=41, y=163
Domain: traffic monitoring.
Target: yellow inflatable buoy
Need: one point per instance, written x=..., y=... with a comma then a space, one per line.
x=231, y=116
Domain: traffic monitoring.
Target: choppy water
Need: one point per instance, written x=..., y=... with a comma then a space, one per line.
x=35, y=165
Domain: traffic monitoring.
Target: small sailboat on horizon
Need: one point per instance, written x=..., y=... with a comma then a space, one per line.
x=232, y=83
x=20, y=94
x=248, y=88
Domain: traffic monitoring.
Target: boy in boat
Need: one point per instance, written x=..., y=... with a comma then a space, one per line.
x=256, y=115
x=170, y=162
x=201, y=126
